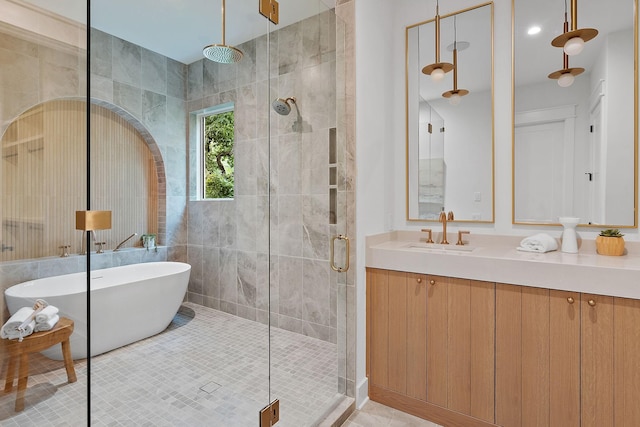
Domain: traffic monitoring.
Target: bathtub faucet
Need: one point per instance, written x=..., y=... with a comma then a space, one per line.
x=83, y=239
x=124, y=241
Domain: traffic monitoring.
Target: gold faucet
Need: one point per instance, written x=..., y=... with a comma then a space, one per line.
x=428, y=230
x=444, y=217
x=460, y=233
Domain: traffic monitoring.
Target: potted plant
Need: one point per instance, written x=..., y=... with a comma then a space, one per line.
x=610, y=242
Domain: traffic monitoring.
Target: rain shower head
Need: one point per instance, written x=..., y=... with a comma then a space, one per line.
x=222, y=53
x=281, y=105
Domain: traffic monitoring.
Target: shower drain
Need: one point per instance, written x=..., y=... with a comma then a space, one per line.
x=210, y=387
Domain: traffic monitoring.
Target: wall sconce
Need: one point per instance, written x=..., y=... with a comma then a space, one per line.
x=93, y=220
x=438, y=69
x=573, y=41
x=455, y=94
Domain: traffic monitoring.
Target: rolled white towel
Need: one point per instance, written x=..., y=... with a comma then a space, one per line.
x=48, y=325
x=20, y=325
x=541, y=242
x=46, y=314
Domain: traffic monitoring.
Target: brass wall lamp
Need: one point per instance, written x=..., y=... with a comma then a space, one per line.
x=93, y=220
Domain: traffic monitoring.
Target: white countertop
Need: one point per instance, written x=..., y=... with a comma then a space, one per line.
x=496, y=259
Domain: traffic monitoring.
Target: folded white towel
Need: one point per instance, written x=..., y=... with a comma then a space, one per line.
x=46, y=314
x=541, y=242
x=20, y=325
x=48, y=325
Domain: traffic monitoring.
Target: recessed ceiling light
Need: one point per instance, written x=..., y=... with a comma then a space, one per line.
x=534, y=30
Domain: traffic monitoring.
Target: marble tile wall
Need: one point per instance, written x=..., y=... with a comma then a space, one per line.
x=150, y=89
x=228, y=240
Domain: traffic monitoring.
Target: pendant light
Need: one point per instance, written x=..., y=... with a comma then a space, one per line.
x=566, y=75
x=438, y=69
x=455, y=94
x=221, y=52
x=573, y=41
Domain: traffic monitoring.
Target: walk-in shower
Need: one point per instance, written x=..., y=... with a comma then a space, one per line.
x=123, y=127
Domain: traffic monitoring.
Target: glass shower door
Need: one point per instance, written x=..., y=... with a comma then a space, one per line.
x=308, y=206
x=43, y=139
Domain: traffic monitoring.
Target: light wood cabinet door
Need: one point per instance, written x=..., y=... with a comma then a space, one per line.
x=417, y=336
x=537, y=357
x=626, y=362
x=460, y=345
x=378, y=327
x=396, y=332
x=610, y=361
x=597, y=361
x=437, y=340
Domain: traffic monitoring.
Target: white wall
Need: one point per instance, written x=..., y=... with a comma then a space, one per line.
x=380, y=104
x=374, y=147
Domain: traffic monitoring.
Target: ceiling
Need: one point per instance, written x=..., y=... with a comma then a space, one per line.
x=179, y=29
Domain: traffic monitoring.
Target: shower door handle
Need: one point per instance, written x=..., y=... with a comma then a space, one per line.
x=332, y=256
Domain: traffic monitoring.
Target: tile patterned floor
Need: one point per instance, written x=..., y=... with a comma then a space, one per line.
x=374, y=414
x=207, y=369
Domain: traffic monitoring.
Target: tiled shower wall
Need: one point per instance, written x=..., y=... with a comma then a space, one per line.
x=228, y=240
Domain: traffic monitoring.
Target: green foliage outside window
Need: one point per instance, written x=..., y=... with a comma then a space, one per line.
x=218, y=156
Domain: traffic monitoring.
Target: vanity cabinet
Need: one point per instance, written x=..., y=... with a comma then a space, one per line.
x=471, y=353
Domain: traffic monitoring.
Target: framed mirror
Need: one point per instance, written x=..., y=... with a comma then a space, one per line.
x=575, y=137
x=449, y=143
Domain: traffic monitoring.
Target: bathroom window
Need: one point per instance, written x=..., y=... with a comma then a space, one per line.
x=217, y=162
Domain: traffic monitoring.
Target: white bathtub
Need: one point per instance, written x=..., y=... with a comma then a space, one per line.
x=128, y=303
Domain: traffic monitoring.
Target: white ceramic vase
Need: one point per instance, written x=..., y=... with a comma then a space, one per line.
x=569, y=237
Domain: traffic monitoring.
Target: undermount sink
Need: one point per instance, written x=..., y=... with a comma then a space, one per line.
x=437, y=247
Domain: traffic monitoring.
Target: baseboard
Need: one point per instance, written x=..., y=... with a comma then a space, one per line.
x=362, y=393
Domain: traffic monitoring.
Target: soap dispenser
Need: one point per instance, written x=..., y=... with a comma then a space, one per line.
x=569, y=237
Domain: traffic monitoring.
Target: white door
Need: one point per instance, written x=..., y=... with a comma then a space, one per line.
x=539, y=168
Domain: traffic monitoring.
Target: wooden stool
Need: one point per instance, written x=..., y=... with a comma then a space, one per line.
x=34, y=343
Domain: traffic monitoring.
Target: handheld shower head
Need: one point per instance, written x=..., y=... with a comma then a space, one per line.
x=282, y=106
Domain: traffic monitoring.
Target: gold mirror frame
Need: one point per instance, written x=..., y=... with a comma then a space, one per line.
x=513, y=127
x=407, y=124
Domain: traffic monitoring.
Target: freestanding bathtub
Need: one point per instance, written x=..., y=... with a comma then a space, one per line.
x=128, y=303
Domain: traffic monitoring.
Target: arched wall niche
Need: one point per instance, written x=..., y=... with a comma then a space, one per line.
x=43, y=177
